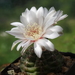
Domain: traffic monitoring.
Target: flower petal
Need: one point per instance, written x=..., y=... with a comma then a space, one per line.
x=16, y=34
x=62, y=17
x=40, y=15
x=40, y=21
x=49, y=23
x=50, y=14
x=33, y=9
x=52, y=8
x=26, y=12
x=56, y=28
x=23, y=20
x=16, y=24
x=52, y=36
x=21, y=44
x=45, y=12
x=16, y=29
x=25, y=46
x=53, y=32
x=40, y=12
x=37, y=50
x=58, y=15
x=30, y=17
x=46, y=43
x=15, y=43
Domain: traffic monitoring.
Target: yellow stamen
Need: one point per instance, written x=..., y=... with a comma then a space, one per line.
x=33, y=31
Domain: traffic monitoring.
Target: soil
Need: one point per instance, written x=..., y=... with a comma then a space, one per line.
x=13, y=68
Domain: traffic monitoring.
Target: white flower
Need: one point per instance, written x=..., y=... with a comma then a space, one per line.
x=35, y=27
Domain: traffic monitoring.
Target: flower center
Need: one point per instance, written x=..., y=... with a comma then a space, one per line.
x=33, y=31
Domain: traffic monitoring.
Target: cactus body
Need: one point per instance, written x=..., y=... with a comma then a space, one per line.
x=49, y=62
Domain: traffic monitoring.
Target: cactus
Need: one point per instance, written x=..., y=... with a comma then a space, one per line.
x=49, y=62
x=36, y=27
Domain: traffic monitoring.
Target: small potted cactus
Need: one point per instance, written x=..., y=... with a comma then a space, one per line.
x=38, y=55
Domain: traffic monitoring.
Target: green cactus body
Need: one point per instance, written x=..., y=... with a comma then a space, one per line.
x=49, y=62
